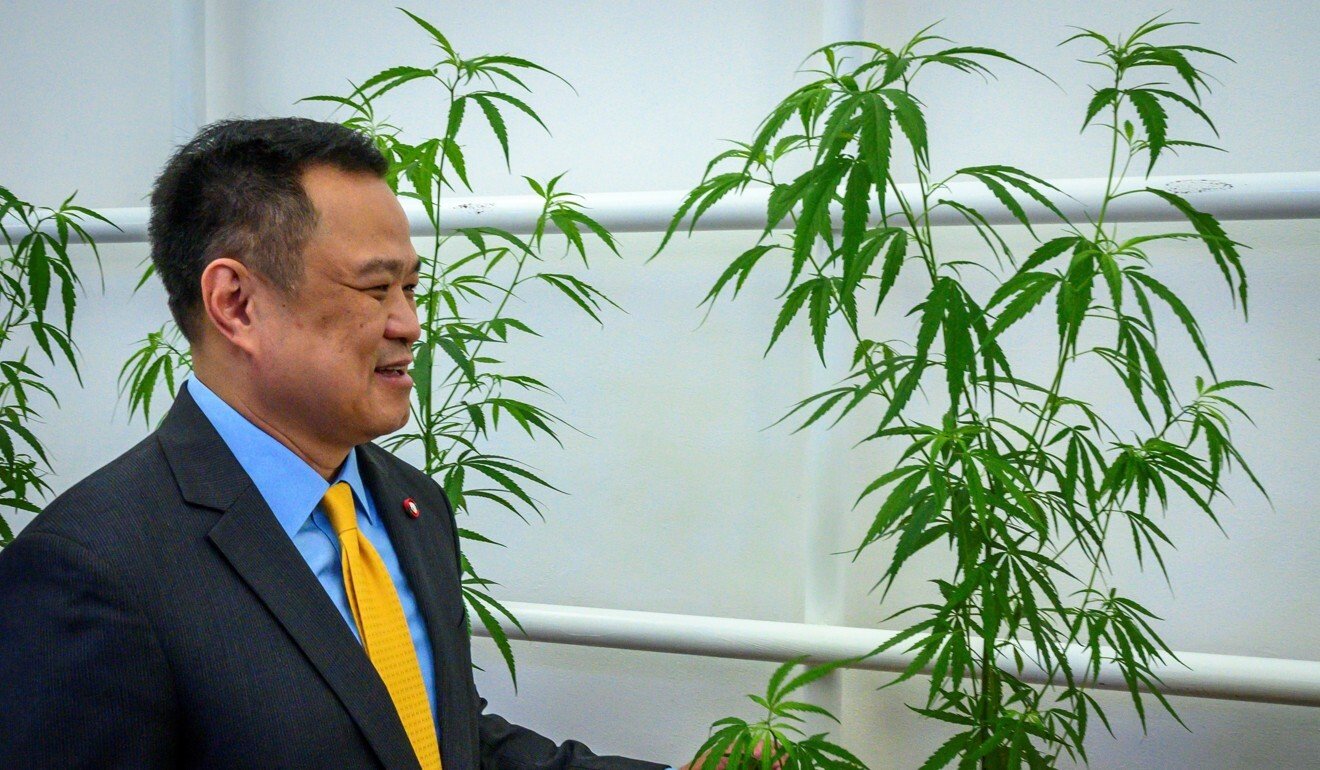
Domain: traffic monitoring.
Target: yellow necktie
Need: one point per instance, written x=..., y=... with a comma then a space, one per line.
x=384, y=629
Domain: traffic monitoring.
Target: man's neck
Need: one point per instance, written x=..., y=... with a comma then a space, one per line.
x=325, y=460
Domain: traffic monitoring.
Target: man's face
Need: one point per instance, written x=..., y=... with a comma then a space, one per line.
x=331, y=367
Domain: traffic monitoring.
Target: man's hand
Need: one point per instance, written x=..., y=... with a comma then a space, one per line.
x=700, y=762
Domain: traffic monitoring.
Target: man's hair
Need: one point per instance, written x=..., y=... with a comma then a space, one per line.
x=234, y=191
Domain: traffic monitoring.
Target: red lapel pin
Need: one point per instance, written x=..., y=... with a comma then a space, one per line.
x=411, y=508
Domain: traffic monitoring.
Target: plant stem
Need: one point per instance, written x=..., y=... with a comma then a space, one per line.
x=1111, y=187
x=989, y=695
x=927, y=253
x=1111, y=184
x=427, y=420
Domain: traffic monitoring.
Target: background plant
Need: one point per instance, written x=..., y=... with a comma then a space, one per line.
x=1023, y=482
x=463, y=390
x=35, y=268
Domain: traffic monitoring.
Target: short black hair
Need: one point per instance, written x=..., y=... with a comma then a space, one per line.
x=234, y=191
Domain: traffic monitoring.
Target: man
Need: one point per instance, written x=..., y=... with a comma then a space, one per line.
x=255, y=584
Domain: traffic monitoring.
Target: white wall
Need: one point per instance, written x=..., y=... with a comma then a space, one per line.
x=679, y=501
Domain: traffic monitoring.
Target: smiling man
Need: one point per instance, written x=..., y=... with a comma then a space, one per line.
x=256, y=584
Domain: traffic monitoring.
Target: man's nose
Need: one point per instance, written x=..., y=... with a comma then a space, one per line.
x=403, y=323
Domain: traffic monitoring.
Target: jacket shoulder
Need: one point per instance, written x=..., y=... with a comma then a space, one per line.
x=113, y=500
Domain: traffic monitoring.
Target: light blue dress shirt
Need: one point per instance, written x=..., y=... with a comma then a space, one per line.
x=294, y=491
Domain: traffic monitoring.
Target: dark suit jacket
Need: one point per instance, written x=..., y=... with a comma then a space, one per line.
x=157, y=616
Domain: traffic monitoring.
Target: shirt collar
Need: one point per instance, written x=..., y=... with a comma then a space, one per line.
x=289, y=485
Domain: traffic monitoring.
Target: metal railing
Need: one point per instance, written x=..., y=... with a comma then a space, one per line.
x=1197, y=675
x=1294, y=195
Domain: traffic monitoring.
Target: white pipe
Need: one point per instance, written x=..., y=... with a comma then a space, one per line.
x=1294, y=195
x=1224, y=677
x=187, y=67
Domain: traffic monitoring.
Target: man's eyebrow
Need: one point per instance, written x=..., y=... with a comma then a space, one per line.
x=387, y=264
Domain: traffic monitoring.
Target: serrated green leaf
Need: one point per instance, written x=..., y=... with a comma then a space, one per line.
x=1103, y=98
x=792, y=305
x=496, y=122
x=1221, y=247
x=876, y=144
x=1032, y=292
x=907, y=111
x=432, y=31
x=1179, y=309
x=856, y=211
x=1153, y=118
x=497, y=635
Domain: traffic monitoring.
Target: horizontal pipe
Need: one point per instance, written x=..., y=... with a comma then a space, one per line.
x=1201, y=675
x=1226, y=196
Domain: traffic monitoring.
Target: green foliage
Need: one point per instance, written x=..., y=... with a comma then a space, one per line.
x=162, y=356
x=463, y=391
x=35, y=268
x=777, y=740
x=1025, y=486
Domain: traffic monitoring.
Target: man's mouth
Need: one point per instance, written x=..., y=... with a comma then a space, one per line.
x=396, y=373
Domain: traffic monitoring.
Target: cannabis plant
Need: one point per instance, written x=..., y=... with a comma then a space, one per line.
x=1025, y=484
x=463, y=391
x=34, y=268
x=777, y=742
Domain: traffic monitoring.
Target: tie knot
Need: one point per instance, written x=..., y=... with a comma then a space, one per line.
x=338, y=505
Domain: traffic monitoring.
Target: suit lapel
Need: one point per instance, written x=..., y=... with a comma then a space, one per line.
x=258, y=549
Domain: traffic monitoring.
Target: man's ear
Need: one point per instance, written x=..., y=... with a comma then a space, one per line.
x=228, y=293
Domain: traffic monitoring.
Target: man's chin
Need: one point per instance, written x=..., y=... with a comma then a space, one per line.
x=393, y=425
x=392, y=413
